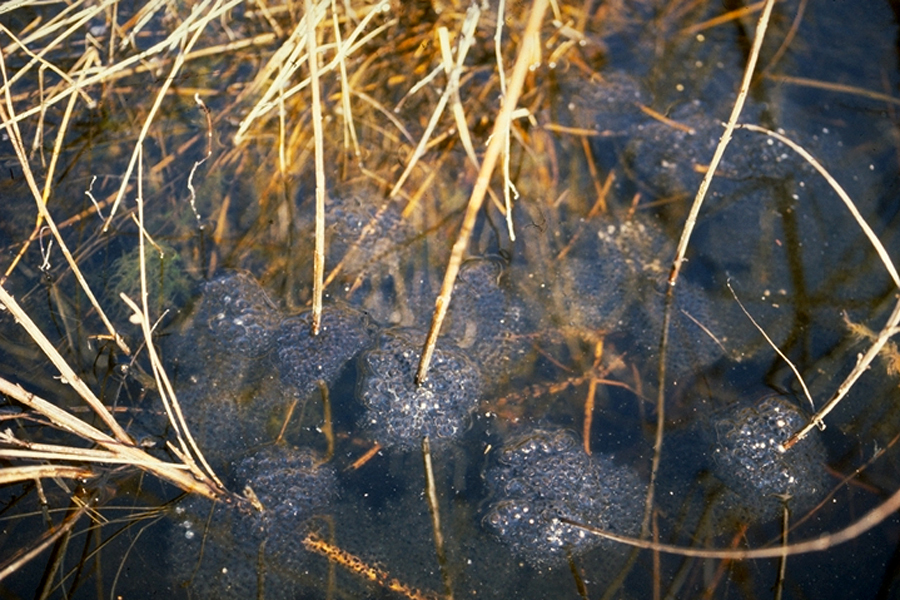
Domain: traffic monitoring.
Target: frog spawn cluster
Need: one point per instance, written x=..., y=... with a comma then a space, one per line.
x=219, y=547
x=750, y=461
x=544, y=477
x=540, y=481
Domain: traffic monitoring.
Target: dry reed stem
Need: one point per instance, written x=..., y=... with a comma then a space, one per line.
x=68, y=374
x=845, y=198
x=758, y=38
x=179, y=36
x=509, y=189
x=83, y=18
x=501, y=126
x=349, y=127
x=289, y=57
x=176, y=474
x=434, y=508
x=45, y=196
x=890, y=328
x=862, y=364
x=319, y=145
x=727, y=17
x=31, y=472
x=110, y=72
x=163, y=384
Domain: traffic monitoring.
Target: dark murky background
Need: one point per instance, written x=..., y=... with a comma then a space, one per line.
x=576, y=298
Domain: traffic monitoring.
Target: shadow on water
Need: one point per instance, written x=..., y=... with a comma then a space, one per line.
x=540, y=408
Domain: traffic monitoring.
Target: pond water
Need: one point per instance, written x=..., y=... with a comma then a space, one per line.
x=540, y=408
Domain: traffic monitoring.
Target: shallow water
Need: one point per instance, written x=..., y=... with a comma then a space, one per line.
x=571, y=310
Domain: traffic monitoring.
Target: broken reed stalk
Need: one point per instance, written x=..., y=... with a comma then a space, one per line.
x=319, y=144
x=530, y=39
x=691, y=221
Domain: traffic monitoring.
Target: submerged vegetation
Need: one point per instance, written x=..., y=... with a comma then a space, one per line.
x=476, y=303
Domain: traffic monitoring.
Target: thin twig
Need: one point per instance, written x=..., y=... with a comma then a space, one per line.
x=874, y=517
x=48, y=539
x=774, y=346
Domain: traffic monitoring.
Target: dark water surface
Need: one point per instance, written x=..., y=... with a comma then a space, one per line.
x=568, y=313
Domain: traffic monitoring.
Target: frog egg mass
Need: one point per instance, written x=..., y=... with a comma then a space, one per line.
x=399, y=412
x=546, y=476
x=749, y=459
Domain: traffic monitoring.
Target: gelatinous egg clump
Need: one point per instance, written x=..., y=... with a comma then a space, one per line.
x=694, y=332
x=749, y=461
x=304, y=358
x=239, y=315
x=240, y=364
x=220, y=550
x=545, y=477
x=486, y=320
x=400, y=413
